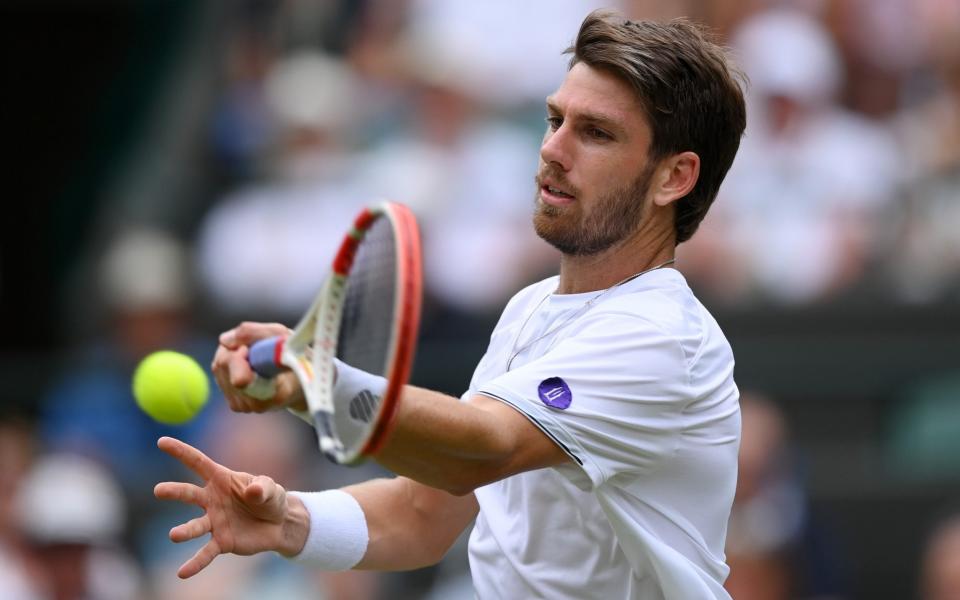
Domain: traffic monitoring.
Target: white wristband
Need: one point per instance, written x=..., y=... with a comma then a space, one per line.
x=353, y=387
x=338, y=531
x=357, y=391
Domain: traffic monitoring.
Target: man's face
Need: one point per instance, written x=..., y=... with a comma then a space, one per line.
x=594, y=171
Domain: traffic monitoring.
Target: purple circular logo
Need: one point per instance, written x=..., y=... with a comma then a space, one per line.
x=555, y=393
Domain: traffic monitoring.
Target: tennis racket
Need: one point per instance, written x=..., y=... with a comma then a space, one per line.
x=366, y=314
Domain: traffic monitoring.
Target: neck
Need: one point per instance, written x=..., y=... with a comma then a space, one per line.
x=641, y=251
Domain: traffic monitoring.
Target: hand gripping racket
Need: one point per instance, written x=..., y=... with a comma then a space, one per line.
x=366, y=314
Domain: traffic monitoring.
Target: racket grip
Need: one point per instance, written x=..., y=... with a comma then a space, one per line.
x=265, y=354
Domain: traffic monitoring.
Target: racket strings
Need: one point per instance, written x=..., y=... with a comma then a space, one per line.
x=367, y=325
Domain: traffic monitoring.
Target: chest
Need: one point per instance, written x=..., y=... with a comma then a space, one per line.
x=523, y=339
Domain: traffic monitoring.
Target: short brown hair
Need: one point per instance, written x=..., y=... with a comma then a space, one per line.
x=690, y=91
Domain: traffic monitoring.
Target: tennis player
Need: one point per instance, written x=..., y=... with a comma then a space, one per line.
x=596, y=446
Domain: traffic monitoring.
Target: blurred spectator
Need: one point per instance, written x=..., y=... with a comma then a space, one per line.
x=145, y=284
x=774, y=548
x=768, y=508
x=940, y=566
x=263, y=249
x=17, y=447
x=244, y=124
x=523, y=65
x=464, y=162
x=17, y=571
x=882, y=43
x=933, y=135
x=468, y=174
x=798, y=216
x=925, y=262
x=71, y=512
x=240, y=126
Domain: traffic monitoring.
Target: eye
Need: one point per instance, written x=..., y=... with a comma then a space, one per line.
x=598, y=134
x=554, y=123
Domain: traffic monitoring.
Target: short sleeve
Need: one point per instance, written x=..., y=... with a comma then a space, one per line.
x=611, y=394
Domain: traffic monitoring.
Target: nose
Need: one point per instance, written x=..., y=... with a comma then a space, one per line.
x=555, y=148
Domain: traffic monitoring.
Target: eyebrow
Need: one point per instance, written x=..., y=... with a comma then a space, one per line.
x=603, y=120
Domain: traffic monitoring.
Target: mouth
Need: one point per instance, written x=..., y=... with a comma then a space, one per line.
x=555, y=196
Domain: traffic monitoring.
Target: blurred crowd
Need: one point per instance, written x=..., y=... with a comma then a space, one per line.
x=281, y=118
x=842, y=189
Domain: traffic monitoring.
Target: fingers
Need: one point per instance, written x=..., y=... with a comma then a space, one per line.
x=225, y=363
x=182, y=492
x=200, y=560
x=190, y=530
x=196, y=461
x=289, y=391
x=248, y=332
x=240, y=373
x=232, y=372
x=231, y=369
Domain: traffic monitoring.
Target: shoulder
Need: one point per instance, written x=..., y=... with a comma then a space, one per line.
x=663, y=306
x=661, y=300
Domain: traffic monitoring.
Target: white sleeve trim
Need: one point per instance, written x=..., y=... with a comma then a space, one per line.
x=551, y=427
x=523, y=410
x=338, y=535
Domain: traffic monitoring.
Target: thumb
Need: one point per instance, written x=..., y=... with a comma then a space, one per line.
x=260, y=491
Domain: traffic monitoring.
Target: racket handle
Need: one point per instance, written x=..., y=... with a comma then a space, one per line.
x=262, y=388
x=265, y=354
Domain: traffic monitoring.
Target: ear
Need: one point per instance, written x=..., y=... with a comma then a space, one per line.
x=675, y=177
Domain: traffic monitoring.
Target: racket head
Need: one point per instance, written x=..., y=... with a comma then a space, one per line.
x=368, y=317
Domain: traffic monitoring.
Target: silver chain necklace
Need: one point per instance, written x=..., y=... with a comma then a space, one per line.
x=579, y=312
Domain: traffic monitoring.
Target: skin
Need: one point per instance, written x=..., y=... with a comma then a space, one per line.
x=598, y=140
x=595, y=149
x=940, y=569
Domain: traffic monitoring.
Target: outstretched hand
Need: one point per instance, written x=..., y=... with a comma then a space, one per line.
x=244, y=514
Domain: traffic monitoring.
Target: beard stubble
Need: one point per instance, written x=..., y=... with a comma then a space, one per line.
x=614, y=216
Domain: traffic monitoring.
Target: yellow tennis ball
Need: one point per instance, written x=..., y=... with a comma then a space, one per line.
x=170, y=387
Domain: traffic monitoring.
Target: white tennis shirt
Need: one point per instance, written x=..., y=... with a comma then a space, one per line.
x=638, y=390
